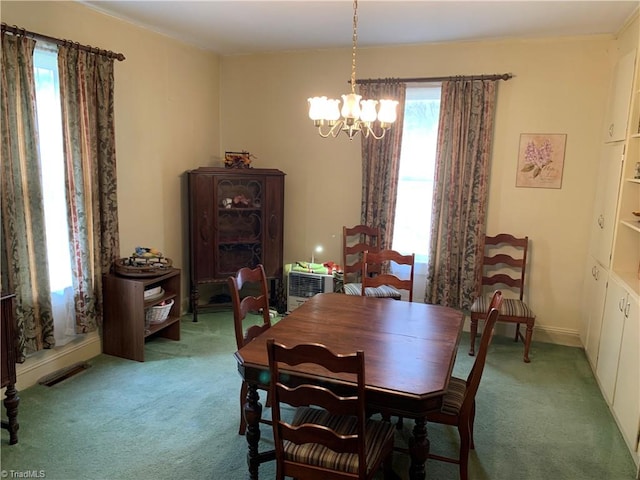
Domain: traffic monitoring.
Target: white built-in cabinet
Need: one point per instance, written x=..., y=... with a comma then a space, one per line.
x=604, y=222
x=595, y=290
x=618, y=368
x=613, y=322
x=602, y=228
x=619, y=98
x=611, y=305
x=626, y=399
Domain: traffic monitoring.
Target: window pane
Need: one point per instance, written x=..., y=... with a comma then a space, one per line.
x=50, y=136
x=417, y=165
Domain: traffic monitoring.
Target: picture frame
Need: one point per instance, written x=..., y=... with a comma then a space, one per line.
x=541, y=160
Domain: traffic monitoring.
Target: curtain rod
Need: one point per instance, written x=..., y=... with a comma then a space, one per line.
x=495, y=76
x=38, y=36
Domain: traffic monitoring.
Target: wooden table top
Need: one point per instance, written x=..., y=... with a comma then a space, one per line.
x=410, y=347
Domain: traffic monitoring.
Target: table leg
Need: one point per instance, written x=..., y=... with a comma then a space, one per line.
x=11, y=403
x=252, y=415
x=419, y=450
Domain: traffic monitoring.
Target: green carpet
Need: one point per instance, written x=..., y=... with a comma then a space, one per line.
x=175, y=416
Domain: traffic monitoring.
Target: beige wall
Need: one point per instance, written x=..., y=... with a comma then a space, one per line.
x=166, y=118
x=559, y=86
x=178, y=107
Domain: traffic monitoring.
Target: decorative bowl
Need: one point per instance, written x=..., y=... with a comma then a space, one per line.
x=128, y=268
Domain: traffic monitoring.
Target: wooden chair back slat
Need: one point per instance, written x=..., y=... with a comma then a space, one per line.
x=502, y=279
x=304, y=395
x=318, y=434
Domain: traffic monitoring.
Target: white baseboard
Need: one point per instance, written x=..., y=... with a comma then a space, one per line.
x=558, y=336
x=45, y=362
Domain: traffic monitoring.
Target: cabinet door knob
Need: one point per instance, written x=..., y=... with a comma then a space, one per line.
x=626, y=309
x=621, y=304
x=611, y=130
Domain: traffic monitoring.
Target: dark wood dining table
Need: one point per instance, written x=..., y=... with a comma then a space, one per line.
x=410, y=349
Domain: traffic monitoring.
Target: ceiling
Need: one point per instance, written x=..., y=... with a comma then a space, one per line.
x=242, y=26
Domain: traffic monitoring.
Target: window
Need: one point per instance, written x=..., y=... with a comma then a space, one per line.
x=54, y=195
x=417, y=166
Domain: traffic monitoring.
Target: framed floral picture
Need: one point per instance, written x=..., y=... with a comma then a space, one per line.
x=541, y=160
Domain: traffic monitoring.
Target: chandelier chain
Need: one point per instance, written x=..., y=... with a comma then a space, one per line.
x=356, y=115
x=355, y=42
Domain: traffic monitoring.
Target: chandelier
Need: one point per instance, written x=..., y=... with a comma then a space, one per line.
x=356, y=115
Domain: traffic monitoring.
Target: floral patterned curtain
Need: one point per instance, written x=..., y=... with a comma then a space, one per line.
x=86, y=91
x=381, y=164
x=24, y=267
x=467, y=109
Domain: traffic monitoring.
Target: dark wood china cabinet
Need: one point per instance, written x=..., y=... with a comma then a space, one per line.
x=235, y=220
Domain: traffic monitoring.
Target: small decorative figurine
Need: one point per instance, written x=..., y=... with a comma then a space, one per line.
x=238, y=159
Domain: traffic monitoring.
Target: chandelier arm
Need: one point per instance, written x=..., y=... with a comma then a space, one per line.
x=371, y=131
x=324, y=135
x=336, y=129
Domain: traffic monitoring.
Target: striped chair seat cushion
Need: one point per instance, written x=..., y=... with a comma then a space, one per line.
x=452, y=401
x=511, y=307
x=376, y=436
x=383, y=291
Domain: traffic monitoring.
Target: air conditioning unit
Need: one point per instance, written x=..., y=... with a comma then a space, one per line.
x=302, y=286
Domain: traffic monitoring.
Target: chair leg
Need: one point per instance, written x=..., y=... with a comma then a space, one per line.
x=517, y=332
x=465, y=434
x=473, y=332
x=243, y=399
x=527, y=341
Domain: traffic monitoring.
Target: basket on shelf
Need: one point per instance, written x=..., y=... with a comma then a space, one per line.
x=158, y=313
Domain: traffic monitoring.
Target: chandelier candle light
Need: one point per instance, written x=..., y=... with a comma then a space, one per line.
x=356, y=114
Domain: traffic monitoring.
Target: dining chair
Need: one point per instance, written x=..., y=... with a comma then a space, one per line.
x=355, y=241
x=459, y=403
x=504, y=263
x=329, y=436
x=376, y=272
x=257, y=306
